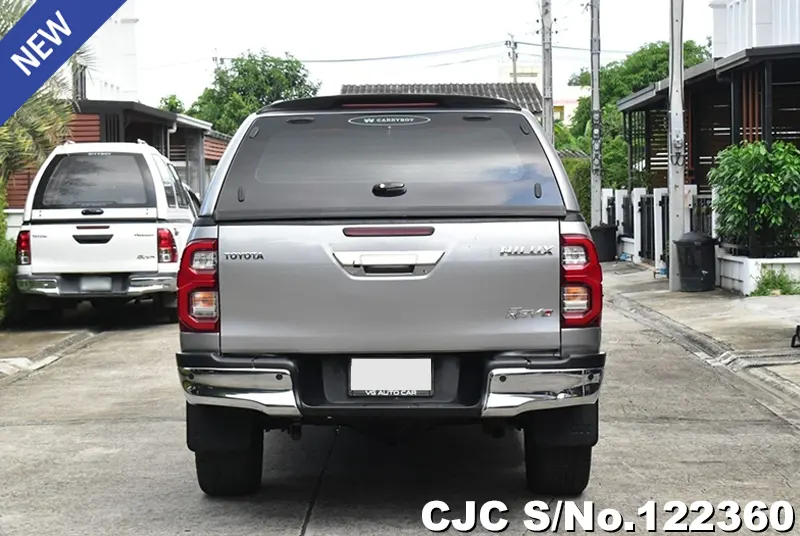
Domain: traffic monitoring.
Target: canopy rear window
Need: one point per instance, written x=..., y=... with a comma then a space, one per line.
x=84, y=180
x=441, y=162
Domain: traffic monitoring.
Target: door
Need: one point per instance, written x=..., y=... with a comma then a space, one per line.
x=180, y=217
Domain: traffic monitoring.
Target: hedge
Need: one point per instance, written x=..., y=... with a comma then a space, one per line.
x=9, y=297
x=579, y=171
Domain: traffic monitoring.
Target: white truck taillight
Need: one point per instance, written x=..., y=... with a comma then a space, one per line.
x=24, y=248
x=203, y=304
x=582, y=282
x=198, y=291
x=167, y=249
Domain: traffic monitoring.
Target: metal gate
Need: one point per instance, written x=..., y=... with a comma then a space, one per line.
x=627, y=217
x=663, y=205
x=611, y=210
x=648, y=228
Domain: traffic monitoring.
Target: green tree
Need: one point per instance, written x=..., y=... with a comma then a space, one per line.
x=646, y=66
x=247, y=83
x=618, y=79
x=563, y=138
x=172, y=103
x=28, y=136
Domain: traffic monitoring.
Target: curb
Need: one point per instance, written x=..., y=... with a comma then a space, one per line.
x=21, y=367
x=748, y=365
x=698, y=343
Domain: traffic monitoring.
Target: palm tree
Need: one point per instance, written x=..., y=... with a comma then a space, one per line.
x=43, y=121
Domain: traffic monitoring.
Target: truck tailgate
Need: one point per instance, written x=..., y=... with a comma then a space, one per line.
x=94, y=248
x=467, y=286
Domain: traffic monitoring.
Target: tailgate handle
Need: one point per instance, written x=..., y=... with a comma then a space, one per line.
x=92, y=239
x=92, y=211
x=388, y=269
x=372, y=259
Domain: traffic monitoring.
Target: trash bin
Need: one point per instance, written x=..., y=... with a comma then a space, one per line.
x=605, y=240
x=697, y=262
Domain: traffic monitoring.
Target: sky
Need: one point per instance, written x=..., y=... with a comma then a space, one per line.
x=177, y=39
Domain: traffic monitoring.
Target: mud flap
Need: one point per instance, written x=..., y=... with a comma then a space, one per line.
x=218, y=429
x=796, y=338
x=566, y=427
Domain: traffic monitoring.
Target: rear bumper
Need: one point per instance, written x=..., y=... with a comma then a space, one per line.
x=122, y=285
x=314, y=388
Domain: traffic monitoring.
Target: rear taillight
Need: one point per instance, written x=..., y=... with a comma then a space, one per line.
x=582, y=282
x=24, y=248
x=167, y=250
x=198, y=291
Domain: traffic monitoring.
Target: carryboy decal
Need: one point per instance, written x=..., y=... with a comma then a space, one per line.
x=388, y=120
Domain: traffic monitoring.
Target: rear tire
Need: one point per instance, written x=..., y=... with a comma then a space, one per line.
x=557, y=471
x=37, y=312
x=165, y=306
x=231, y=474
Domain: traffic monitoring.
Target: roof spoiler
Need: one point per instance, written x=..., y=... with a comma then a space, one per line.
x=389, y=100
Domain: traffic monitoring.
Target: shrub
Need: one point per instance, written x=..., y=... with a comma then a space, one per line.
x=759, y=187
x=776, y=283
x=9, y=297
x=579, y=171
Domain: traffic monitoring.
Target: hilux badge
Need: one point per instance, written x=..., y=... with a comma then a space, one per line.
x=523, y=251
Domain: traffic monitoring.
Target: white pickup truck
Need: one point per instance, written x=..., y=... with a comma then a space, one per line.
x=105, y=223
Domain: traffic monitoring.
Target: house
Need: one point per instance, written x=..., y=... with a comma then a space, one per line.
x=524, y=94
x=748, y=91
x=107, y=110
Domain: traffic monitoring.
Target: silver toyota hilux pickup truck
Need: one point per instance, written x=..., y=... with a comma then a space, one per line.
x=390, y=262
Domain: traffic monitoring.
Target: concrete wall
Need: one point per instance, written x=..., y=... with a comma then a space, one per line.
x=741, y=274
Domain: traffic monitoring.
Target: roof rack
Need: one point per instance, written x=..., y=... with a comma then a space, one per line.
x=389, y=100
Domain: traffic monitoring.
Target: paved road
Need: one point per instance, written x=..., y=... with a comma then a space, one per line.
x=94, y=445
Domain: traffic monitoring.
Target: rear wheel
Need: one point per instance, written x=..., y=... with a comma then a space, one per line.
x=166, y=306
x=558, y=471
x=37, y=311
x=233, y=473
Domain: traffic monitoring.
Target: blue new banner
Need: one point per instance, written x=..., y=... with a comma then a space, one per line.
x=49, y=33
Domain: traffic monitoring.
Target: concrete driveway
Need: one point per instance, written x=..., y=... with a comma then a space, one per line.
x=94, y=445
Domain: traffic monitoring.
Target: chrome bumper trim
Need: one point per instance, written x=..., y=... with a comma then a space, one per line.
x=513, y=391
x=137, y=285
x=269, y=391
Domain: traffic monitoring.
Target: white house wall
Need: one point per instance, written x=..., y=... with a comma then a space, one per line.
x=742, y=24
x=113, y=73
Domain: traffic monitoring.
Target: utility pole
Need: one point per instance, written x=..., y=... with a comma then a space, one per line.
x=512, y=53
x=597, y=123
x=677, y=205
x=547, y=68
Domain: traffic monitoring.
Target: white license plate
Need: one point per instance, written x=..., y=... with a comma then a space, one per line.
x=391, y=377
x=95, y=284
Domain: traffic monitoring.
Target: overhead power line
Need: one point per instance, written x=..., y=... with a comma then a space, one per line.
x=403, y=56
x=473, y=48
x=581, y=49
